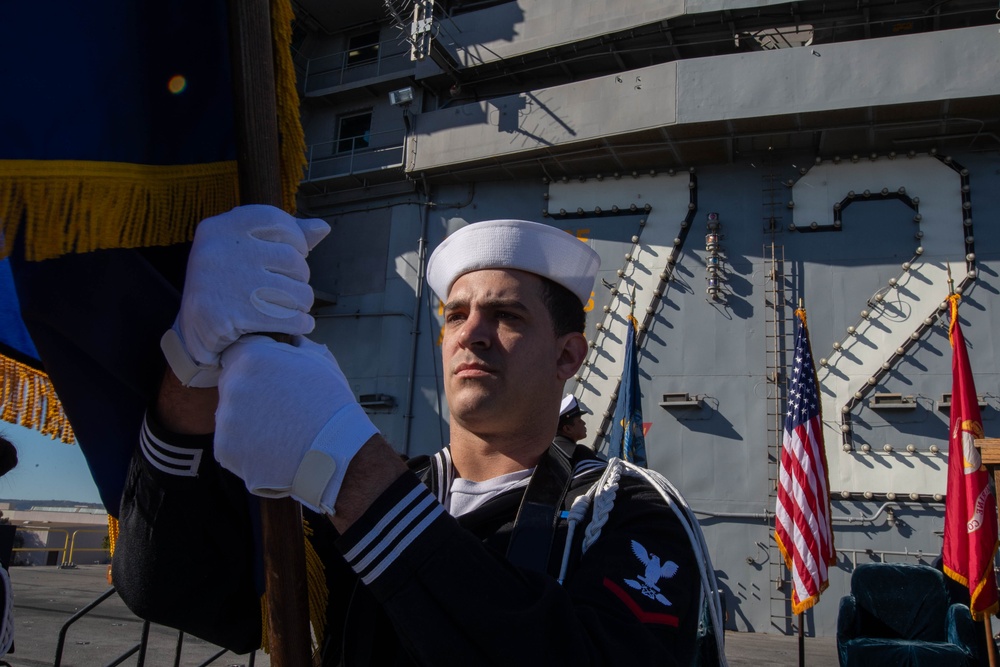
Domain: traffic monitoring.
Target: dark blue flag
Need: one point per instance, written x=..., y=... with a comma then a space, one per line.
x=627, y=439
x=118, y=138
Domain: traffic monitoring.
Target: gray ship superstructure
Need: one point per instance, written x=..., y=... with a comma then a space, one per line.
x=726, y=159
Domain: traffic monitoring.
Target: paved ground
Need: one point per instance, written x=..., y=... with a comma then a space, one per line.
x=46, y=597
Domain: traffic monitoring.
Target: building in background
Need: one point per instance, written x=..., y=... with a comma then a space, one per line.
x=58, y=535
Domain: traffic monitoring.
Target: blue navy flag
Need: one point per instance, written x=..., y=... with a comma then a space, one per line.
x=627, y=439
x=107, y=190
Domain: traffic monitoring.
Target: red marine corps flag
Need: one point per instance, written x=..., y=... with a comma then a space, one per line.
x=802, y=528
x=970, y=513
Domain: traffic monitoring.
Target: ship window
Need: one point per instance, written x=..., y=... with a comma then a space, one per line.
x=354, y=132
x=362, y=48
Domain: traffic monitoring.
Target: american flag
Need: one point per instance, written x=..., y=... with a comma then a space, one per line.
x=802, y=527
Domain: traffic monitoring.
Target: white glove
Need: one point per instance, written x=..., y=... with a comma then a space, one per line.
x=287, y=421
x=246, y=273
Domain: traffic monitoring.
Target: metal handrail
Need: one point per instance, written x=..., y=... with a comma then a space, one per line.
x=377, y=150
x=372, y=141
x=64, y=549
x=334, y=69
x=72, y=543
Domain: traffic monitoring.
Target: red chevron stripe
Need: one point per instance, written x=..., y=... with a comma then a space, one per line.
x=643, y=616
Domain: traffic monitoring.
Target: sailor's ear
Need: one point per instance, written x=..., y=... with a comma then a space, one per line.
x=572, y=350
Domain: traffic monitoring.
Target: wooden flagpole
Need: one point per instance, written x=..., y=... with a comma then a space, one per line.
x=260, y=183
x=991, y=648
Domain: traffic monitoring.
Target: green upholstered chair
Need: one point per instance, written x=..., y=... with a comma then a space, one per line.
x=902, y=615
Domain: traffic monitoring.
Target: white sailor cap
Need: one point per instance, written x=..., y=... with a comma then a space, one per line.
x=514, y=244
x=570, y=407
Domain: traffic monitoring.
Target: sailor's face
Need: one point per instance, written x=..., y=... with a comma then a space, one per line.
x=576, y=429
x=501, y=354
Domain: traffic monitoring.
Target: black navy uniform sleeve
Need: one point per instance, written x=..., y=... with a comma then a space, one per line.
x=185, y=555
x=632, y=598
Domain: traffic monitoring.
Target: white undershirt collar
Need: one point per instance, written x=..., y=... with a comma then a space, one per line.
x=465, y=496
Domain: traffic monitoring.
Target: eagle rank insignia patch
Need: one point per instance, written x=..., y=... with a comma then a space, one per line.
x=655, y=570
x=647, y=583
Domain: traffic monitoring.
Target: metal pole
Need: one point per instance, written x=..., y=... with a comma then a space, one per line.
x=415, y=325
x=802, y=642
x=61, y=637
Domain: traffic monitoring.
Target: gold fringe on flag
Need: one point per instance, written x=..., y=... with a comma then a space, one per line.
x=79, y=206
x=317, y=591
x=28, y=398
x=293, y=141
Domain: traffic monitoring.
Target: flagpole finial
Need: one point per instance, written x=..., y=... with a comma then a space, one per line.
x=800, y=312
x=951, y=283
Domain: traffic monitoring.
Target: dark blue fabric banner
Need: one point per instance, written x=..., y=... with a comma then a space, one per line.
x=93, y=95
x=628, y=442
x=116, y=81
x=14, y=339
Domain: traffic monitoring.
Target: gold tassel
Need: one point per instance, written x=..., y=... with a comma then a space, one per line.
x=293, y=142
x=316, y=583
x=112, y=541
x=28, y=398
x=112, y=534
x=265, y=644
x=317, y=593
